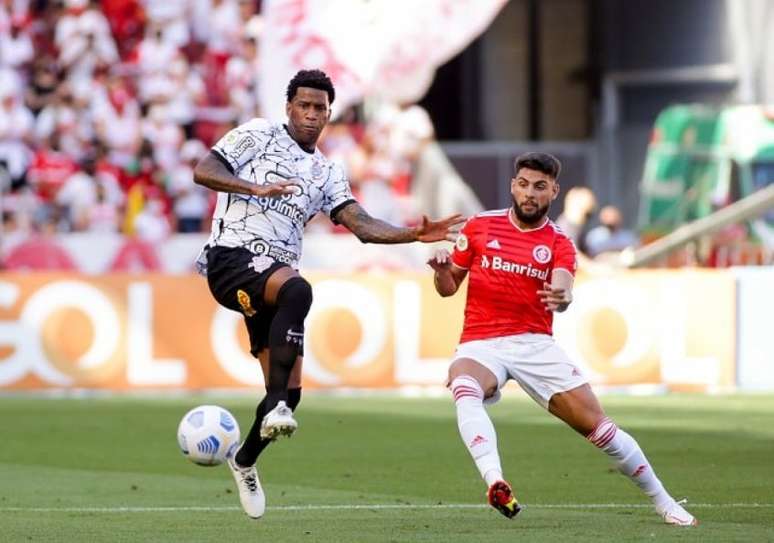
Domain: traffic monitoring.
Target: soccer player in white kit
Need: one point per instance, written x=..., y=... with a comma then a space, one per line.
x=271, y=180
x=521, y=268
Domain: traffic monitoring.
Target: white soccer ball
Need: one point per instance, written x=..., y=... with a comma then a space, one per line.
x=208, y=434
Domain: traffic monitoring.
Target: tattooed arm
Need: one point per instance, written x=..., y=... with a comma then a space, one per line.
x=212, y=173
x=371, y=230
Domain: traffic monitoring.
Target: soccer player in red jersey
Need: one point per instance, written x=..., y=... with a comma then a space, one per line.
x=521, y=269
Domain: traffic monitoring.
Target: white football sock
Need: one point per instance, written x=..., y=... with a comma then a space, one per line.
x=630, y=460
x=476, y=428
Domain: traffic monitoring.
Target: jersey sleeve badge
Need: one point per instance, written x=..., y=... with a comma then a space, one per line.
x=462, y=242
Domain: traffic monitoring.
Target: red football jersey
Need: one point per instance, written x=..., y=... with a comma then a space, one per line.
x=506, y=267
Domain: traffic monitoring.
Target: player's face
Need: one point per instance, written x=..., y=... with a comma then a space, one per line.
x=532, y=192
x=308, y=113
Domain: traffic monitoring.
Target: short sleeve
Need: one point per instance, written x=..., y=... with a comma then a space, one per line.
x=336, y=193
x=462, y=255
x=241, y=144
x=565, y=255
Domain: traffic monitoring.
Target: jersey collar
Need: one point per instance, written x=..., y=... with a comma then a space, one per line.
x=296, y=143
x=517, y=227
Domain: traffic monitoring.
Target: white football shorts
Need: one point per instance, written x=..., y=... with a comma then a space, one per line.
x=535, y=361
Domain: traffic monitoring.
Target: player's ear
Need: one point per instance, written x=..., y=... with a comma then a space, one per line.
x=288, y=107
x=556, y=190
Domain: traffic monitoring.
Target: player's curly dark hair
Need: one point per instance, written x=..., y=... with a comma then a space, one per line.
x=313, y=79
x=542, y=162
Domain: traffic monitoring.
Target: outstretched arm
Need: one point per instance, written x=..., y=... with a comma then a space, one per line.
x=213, y=174
x=371, y=230
x=448, y=277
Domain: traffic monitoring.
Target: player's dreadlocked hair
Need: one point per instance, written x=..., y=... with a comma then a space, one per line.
x=313, y=79
x=542, y=162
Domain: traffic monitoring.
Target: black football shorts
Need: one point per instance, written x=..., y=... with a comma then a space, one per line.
x=235, y=284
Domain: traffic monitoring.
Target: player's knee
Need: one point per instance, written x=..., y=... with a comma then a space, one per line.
x=490, y=392
x=456, y=369
x=493, y=397
x=600, y=432
x=460, y=368
x=465, y=381
x=465, y=386
x=296, y=293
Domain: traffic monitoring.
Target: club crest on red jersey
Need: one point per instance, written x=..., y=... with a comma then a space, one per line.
x=462, y=242
x=541, y=254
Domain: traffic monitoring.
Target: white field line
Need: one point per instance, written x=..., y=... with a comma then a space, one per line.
x=378, y=506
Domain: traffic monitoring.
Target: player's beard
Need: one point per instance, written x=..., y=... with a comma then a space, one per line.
x=530, y=217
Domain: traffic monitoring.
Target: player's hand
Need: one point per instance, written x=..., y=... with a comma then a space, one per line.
x=440, y=261
x=278, y=188
x=555, y=299
x=444, y=229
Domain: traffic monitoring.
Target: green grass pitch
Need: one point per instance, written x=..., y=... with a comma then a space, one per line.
x=381, y=468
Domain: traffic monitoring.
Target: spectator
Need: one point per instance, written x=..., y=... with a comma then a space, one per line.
x=126, y=19
x=610, y=235
x=61, y=120
x=436, y=187
x=50, y=168
x=20, y=207
x=16, y=49
x=222, y=44
x=190, y=201
x=242, y=81
x=253, y=26
x=84, y=40
x=186, y=92
x=11, y=10
x=152, y=225
x=117, y=121
x=104, y=215
x=16, y=123
x=199, y=21
x=373, y=192
x=42, y=88
x=579, y=204
x=224, y=19
x=154, y=57
x=78, y=195
x=171, y=16
x=165, y=136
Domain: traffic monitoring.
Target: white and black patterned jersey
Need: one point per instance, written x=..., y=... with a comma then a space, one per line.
x=272, y=228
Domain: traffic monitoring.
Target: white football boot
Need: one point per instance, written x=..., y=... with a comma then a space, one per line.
x=278, y=422
x=674, y=513
x=251, y=494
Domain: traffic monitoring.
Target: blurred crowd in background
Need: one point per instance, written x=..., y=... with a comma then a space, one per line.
x=105, y=108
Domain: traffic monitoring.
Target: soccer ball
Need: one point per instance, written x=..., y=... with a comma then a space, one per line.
x=208, y=434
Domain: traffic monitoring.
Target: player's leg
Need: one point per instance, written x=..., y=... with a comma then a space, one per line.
x=471, y=383
x=253, y=444
x=291, y=295
x=242, y=465
x=240, y=287
x=581, y=410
